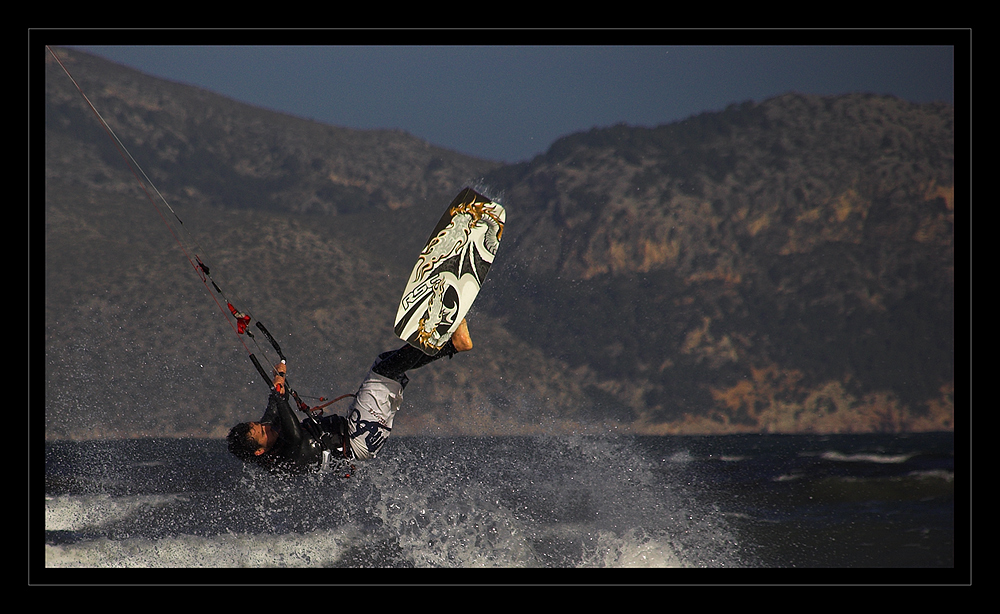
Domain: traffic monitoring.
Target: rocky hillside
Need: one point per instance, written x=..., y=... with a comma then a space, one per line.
x=782, y=266
x=779, y=262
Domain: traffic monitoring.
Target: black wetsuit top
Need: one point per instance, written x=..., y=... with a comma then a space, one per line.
x=300, y=445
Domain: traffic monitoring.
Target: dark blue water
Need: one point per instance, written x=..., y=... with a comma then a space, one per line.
x=734, y=502
x=833, y=501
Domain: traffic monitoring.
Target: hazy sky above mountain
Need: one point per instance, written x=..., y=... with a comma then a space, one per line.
x=510, y=103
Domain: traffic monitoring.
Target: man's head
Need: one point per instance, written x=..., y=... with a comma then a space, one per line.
x=248, y=440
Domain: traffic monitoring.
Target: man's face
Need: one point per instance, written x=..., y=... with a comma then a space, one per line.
x=264, y=435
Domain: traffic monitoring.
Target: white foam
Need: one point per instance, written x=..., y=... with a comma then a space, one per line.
x=316, y=549
x=632, y=550
x=77, y=513
x=867, y=458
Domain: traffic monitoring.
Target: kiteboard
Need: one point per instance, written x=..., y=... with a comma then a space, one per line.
x=450, y=271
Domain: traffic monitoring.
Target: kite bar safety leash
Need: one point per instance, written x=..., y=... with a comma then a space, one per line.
x=312, y=412
x=241, y=319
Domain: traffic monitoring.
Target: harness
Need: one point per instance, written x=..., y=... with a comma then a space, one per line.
x=323, y=436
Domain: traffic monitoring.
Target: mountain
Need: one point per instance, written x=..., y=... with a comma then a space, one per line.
x=789, y=264
x=778, y=266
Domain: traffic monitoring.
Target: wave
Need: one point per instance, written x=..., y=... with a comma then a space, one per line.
x=317, y=549
x=518, y=503
x=80, y=513
x=469, y=539
x=866, y=457
x=531, y=503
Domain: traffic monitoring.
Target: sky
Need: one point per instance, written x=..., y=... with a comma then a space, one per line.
x=511, y=102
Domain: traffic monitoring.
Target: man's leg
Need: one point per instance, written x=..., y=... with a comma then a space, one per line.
x=396, y=363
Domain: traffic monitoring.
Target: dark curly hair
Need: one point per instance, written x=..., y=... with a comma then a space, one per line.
x=240, y=444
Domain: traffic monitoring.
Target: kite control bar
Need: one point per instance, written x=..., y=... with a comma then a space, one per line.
x=310, y=411
x=277, y=348
x=267, y=334
x=260, y=369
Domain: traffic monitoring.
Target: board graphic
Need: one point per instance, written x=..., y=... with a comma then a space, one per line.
x=450, y=271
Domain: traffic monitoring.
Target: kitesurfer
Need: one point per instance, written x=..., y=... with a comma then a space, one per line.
x=279, y=442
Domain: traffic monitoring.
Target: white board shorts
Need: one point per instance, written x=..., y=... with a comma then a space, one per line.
x=369, y=418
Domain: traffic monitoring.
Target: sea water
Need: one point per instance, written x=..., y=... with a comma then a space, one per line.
x=559, y=502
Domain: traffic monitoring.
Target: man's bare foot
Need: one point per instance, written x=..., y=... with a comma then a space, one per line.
x=461, y=339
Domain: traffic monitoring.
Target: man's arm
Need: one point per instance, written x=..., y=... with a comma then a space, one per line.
x=286, y=421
